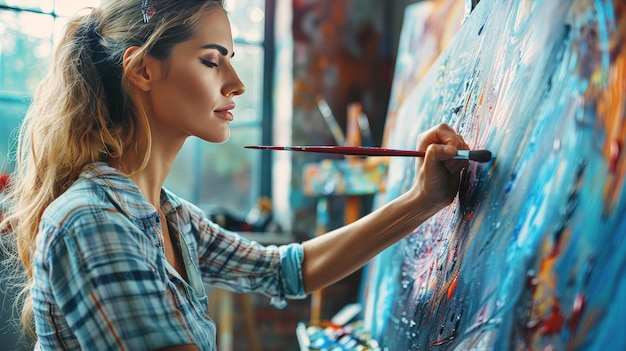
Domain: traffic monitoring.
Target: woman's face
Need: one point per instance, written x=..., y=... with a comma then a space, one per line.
x=194, y=95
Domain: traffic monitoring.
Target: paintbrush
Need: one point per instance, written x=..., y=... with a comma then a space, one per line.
x=472, y=155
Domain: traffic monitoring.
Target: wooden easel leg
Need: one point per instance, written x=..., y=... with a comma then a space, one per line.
x=322, y=223
x=248, y=310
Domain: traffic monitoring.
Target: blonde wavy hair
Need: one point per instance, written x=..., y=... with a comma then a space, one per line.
x=84, y=111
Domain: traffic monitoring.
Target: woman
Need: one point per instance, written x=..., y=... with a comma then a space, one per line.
x=116, y=262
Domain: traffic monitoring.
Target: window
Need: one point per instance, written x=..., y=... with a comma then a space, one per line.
x=226, y=175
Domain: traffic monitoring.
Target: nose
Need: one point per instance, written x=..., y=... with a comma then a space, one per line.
x=234, y=86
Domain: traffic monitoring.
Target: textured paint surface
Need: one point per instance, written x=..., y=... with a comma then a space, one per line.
x=427, y=29
x=531, y=256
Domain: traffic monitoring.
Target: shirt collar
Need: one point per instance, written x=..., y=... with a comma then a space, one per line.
x=125, y=193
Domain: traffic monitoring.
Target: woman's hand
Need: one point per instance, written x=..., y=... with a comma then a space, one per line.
x=332, y=256
x=437, y=175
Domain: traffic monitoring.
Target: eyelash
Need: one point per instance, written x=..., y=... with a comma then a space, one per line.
x=208, y=63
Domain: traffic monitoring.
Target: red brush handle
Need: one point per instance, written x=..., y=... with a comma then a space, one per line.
x=344, y=150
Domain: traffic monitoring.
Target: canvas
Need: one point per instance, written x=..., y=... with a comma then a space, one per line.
x=531, y=255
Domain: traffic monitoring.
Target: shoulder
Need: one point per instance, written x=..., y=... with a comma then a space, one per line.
x=89, y=217
x=72, y=213
x=83, y=198
x=100, y=193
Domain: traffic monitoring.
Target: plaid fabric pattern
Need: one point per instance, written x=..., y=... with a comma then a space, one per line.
x=102, y=281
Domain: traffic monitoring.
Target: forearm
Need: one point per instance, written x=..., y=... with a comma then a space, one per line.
x=332, y=256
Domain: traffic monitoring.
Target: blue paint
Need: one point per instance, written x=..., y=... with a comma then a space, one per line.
x=535, y=231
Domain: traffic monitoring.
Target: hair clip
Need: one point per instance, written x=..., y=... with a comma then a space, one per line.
x=147, y=10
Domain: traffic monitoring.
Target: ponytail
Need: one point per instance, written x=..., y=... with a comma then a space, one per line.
x=69, y=124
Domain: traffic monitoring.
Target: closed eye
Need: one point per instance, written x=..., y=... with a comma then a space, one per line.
x=208, y=63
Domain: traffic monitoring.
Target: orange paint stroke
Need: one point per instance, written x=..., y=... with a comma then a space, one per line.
x=452, y=286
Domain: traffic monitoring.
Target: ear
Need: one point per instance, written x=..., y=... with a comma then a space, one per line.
x=140, y=72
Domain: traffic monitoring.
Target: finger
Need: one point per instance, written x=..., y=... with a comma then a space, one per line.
x=451, y=137
x=441, y=134
x=441, y=152
x=446, y=154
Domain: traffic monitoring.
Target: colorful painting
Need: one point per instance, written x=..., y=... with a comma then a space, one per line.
x=531, y=256
x=427, y=29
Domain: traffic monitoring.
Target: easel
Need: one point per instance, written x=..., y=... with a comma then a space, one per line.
x=223, y=300
x=353, y=177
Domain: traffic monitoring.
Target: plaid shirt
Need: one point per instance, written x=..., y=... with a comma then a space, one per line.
x=102, y=282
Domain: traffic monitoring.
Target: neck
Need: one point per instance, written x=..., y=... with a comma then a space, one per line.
x=150, y=181
x=152, y=176
x=162, y=151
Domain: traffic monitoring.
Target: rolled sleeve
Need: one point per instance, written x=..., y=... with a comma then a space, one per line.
x=291, y=257
x=233, y=262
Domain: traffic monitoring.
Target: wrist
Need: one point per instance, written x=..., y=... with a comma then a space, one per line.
x=419, y=202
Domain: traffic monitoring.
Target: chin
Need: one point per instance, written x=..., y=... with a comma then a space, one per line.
x=221, y=140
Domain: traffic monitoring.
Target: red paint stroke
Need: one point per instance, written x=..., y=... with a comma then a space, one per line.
x=452, y=286
x=442, y=341
x=615, y=150
x=554, y=323
x=481, y=315
x=577, y=311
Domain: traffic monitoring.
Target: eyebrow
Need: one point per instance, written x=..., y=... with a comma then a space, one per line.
x=221, y=49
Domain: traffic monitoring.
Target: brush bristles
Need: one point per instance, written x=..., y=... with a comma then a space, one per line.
x=480, y=155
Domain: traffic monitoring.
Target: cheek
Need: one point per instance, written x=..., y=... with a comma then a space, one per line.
x=185, y=96
x=190, y=86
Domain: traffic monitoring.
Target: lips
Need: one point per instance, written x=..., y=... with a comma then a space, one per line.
x=224, y=112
